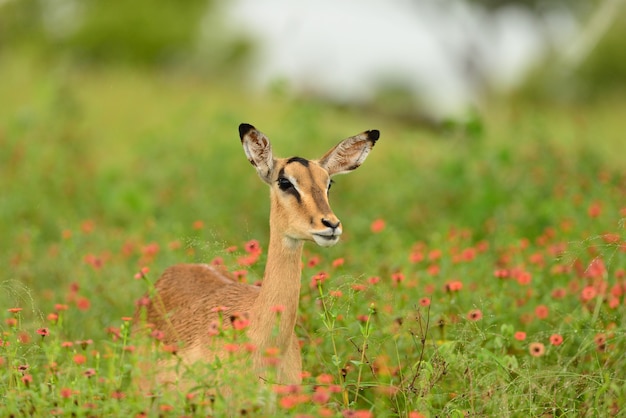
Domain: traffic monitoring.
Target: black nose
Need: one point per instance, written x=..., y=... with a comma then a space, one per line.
x=329, y=224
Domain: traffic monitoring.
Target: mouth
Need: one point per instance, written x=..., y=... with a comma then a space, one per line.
x=326, y=240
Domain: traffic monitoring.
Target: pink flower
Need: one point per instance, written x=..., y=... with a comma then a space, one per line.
x=253, y=247
x=536, y=349
x=475, y=315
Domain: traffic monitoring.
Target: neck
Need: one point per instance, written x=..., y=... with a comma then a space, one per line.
x=276, y=307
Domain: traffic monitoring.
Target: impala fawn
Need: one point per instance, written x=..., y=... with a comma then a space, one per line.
x=185, y=298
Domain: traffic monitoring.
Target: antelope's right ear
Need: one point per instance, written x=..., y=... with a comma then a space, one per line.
x=258, y=150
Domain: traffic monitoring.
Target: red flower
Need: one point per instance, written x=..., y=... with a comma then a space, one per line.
x=520, y=335
x=65, y=392
x=397, y=277
x=338, y=262
x=588, y=293
x=556, y=339
x=542, y=311
x=594, y=210
x=377, y=226
x=454, y=286
x=80, y=359
x=43, y=332
x=424, y=302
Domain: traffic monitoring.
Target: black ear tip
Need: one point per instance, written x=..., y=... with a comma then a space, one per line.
x=244, y=128
x=373, y=135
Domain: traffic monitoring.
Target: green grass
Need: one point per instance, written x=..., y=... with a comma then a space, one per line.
x=103, y=172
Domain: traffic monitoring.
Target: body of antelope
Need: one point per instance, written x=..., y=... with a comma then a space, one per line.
x=184, y=301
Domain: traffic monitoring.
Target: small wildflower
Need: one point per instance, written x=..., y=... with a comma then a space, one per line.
x=397, y=277
x=240, y=322
x=324, y=379
x=214, y=328
x=594, y=210
x=523, y=278
x=424, y=302
x=15, y=310
x=338, y=262
x=53, y=317
x=197, y=225
x=588, y=293
x=252, y=247
x=475, y=315
x=434, y=255
x=231, y=347
x=373, y=280
x=321, y=395
x=520, y=335
x=556, y=339
x=416, y=257
x=79, y=359
x=170, y=348
x=277, y=308
x=157, y=334
x=83, y=304
x=313, y=261
x=89, y=372
x=319, y=278
x=542, y=311
x=27, y=379
x=536, y=349
x=118, y=395
x=66, y=393
x=454, y=286
x=60, y=307
x=377, y=226
x=600, y=340
x=44, y=332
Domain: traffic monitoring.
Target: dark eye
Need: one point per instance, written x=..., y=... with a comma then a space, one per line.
x=284, y=184
x=329, y=185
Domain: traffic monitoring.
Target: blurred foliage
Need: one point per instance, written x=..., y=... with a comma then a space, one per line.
x=138, y=32
x=601, y=73
x=605, y=68
x=143, y=31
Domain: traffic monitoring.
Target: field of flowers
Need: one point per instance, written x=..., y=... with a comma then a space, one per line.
x=482, y=271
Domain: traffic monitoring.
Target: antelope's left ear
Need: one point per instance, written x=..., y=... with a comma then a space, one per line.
x=349, y=153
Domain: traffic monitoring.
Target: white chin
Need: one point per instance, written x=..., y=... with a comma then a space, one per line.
x=323, y=241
